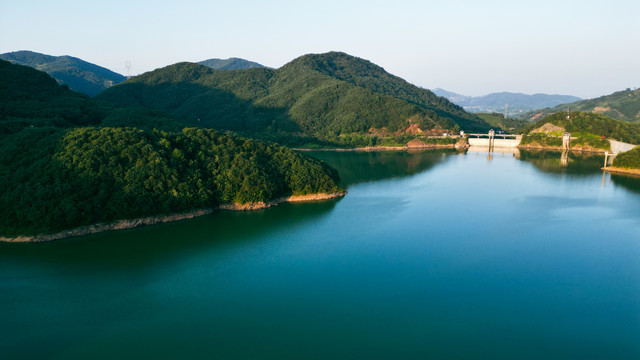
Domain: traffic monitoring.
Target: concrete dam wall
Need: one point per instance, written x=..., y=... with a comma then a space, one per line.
x=514, y=141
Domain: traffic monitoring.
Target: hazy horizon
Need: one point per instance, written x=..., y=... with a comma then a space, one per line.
x=580, y=48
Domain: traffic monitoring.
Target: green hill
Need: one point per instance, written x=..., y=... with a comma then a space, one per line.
x=69, y=161
x=322, y=96
x=230, y=64
x=79, y=75
x=622, y=105
x=31, y=98
x=590, y=124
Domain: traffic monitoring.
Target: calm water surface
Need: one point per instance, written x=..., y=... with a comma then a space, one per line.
x=430, y=255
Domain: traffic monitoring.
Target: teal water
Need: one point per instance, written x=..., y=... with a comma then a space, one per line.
x=430, y=255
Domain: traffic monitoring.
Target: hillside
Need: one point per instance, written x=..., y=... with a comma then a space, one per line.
x=497, y=121
x=230, y=64
x=79, y=75
x=69, y=161
x=622, y=105
x=29, y=97
x=323, y=96
x=495, y=102
x=32, y=98
x=590, y=124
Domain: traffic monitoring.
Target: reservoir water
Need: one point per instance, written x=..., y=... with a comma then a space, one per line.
x=430, y=255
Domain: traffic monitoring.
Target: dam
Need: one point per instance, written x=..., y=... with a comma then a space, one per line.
x=492, y=140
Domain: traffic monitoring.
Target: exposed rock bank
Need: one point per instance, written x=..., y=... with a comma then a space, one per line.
x=620, y=170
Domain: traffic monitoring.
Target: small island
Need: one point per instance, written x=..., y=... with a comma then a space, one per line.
x=92, y=179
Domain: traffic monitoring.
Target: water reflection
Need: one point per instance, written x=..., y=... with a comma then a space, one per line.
x=359, y=166
x=146, y=246
x=628, y=182
x=569, y=163
x=495, y=150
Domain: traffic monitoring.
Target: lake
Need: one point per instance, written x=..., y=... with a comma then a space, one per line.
x=433, y=254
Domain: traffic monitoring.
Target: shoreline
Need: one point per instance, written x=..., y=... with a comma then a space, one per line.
x=560, y=149
x=452, y=146
x=621, y=171
x=160, y=219
x=387, y=148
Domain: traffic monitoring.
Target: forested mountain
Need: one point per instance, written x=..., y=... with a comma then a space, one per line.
x=622, y=105
x=69, y=161
x=321, y=95
x=586, y=124
x=495, y=102
x=78, y=74
x=230, y=64
x=31, y=98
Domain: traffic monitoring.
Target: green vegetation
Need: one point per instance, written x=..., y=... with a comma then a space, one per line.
x=588, y=140
x=497, y=120
x=230, y=64
x=589, y=126
x=628, y=159
x=54, y=179
x=68, y=161
x=622, y=105
x=319, y=96
x=538, y=139
x=79, y=75
x=31, y=98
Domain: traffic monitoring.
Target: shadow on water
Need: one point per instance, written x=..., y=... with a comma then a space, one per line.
x=631, y=183
x=146, y=246
x=574, y=164
x=363, y=166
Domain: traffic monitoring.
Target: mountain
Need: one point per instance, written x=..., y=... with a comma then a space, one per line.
x=318, y=95
x=621, y=105
x=495, y=102
x=586, y=124
x=29, y=97
x=230, y=64
x=78, y=74
x=68, y=161
x=32, y=98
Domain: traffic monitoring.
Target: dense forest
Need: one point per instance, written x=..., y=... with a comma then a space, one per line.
x=589, y=125
x=54, y=179
x=319, y=96
x=68, y=161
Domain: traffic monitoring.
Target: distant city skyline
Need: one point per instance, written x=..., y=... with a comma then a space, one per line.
x=582, y=48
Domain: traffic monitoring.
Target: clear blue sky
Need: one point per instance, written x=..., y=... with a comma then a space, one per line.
x=583, y=48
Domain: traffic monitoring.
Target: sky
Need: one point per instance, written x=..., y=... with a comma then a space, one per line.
x=583, y=48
